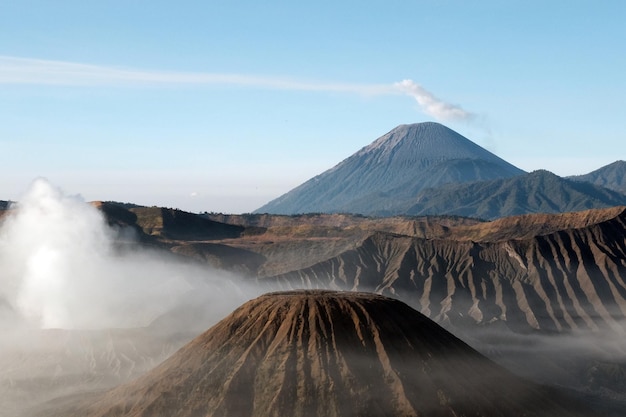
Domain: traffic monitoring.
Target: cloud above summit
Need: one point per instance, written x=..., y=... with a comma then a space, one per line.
x=29, y=71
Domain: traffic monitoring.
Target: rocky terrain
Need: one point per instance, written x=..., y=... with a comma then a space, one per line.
x=558, y=272
x=542, y=294
x=560, y=280
x=555, y=279
x=312, y=353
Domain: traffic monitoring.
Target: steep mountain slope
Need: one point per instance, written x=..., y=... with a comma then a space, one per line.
x=165, y=223
x=294, y=242
x=312, y=353
x=190, y=235
x=612, y=176
x=410, y=157
x=543, y=294
x=568, y=279
x=536, y=192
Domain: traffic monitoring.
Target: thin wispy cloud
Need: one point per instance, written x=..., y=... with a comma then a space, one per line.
x=14, y=70
x=17, y=70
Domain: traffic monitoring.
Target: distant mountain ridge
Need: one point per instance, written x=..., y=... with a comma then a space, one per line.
x=428, y=169
x=409, y=157
x=612, y=176
x=537, y=192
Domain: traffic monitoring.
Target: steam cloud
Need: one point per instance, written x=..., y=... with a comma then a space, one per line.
x=432, y=105
x=60, y=267
x=48, y=239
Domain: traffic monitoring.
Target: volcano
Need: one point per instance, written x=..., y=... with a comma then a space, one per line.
x=386, y=175
x=325, y=353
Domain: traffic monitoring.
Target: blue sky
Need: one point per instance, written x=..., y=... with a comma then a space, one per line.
x=225, y=105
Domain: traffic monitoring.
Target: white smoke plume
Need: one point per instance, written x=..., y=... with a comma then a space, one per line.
x=432, y=105
x=17, y=70
x=60, y=269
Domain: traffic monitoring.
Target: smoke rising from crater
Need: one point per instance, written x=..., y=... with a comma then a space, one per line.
x=61, y=269
x=432, y=105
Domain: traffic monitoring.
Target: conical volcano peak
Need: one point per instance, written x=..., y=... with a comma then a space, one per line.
x=326, y=353
x=427, y=143
x=424, y=131
x=384, y=176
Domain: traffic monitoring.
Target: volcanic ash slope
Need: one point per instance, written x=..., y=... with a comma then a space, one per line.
x=321, y=353
x=385, y=176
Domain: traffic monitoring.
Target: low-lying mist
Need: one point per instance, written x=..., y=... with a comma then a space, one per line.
x=84, y=306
